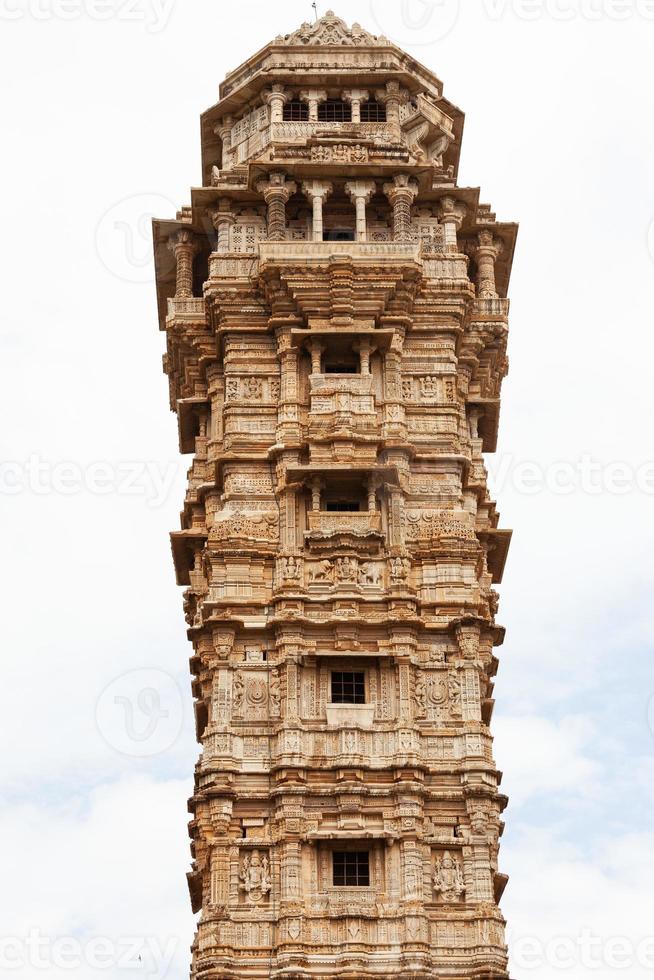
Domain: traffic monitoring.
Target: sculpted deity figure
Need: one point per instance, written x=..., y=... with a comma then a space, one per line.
x=275, y=694
x=346, y=569
x=448, y=878
x=290, y=567
x=255, y=876
x=239, y=691
x=421, y=694
x=400, y=568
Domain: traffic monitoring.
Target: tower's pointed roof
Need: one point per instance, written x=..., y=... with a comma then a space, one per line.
x=331, y=30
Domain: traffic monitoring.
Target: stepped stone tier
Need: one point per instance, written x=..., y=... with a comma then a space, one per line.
x=336, y=320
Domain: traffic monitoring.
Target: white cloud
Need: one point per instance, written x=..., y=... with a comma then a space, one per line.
x=111, y=865
x=541, y=757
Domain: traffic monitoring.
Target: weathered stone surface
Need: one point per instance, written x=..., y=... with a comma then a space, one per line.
x=336, y=319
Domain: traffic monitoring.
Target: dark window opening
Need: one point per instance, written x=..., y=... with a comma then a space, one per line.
x=348, y=687
x=338, y=235
x=373, y=111
x=352, y=868
x=343, y=506
x=341, y=369
x=296, y=111
x=334, y=110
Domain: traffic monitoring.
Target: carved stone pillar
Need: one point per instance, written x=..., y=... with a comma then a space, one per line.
x=276, y=98
x=474, y=414
x=184, y=246
x=287, y=419
x=392, y=96
x=317, y=191
x=223, y=219
x=401, y=193
x=316, y=350
x=355, y=96
x=314, y=97
x=316, y=488
x=373, y=487
x=361, y=191
x=485, y=251
x=224, y=130
x=276, y=192
x=451, y=214
x=365, y=348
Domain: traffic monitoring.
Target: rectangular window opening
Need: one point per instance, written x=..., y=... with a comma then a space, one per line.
x=334, y=110
x=348, y=687
x=338, y=235
x=351, y=869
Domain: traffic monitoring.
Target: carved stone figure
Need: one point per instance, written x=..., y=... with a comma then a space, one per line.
x=274, y=691
x=400, y=568
x=322, y=572
x=346, y=570
x=255, y=876
x=448, y=878
x=291, y=568
x=369, y=574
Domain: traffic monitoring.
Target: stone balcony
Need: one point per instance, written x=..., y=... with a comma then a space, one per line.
x=490, y=307
x=357, y=251
x=186, y=307
x=326, y=523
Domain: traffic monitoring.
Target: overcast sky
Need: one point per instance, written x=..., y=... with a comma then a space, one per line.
x=101, y=118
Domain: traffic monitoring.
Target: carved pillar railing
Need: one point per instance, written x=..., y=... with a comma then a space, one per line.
x=317, y=191
x=184, y=247
x=401, y=193
x=222, y=220
x=451, y=214
x=276, y=191
x=361, y=191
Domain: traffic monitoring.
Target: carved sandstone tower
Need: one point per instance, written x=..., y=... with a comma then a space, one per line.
x=336, y=319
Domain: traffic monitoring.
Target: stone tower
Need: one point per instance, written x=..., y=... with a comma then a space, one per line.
x=336, y=320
